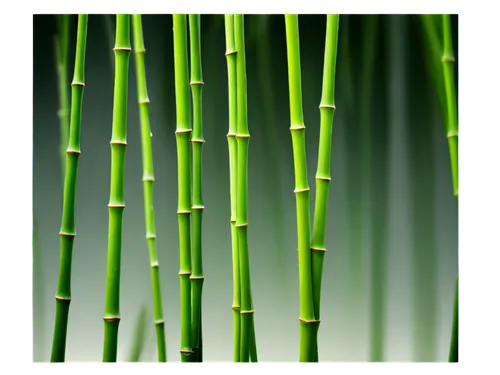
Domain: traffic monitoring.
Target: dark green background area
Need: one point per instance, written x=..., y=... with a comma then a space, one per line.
x=408, y=197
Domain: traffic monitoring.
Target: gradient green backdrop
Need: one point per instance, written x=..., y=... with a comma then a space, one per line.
x=408, y=199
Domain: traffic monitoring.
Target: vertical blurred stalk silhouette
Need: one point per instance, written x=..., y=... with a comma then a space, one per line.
x=39, y=306
x=117, y=192
x=263, y=53
x=61, y=47
x=423, y=236
x=379, y=186
x=183, y=136
x=197, y=207
x=139, y=336
x=67, y=233
x=148, y=179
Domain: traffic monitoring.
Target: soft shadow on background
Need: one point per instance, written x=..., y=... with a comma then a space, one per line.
x=385, y=102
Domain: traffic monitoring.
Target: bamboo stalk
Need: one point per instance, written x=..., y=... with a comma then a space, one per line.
x=242, y=140
x=308, y=323
x=148, y=182
x=197, y=207
x=183, y=136
x=61, y=48
x=117, y=197
x=323, y=174
x=233, y=157
x=451, y=101
x=67, y=233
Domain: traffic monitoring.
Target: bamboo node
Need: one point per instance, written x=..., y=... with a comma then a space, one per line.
x=142, y=50
x=448, y=59
x=323, y=178
x=183, y=212
x=116, y=205
x=452, y=134
x=67, y=234
x=150, y=178
x=184, y=273
x=242, y=135
x=241, y=225
x=197, y=140
x=305, y=321
x=231, y=134
x=186, y=351
x=155, y=264
x=112, y=318
x=197, y=277
x=144, y=101
x=182, y=131
x=247, y=312
x=332, y=106
x=297, y=127
x=150, y=236
x=234, y=307
x=77, y=83
x=62, y=112
x=196, y=83
x=72, y=151
x=232, y=220
x=231, y=52
x=159, y=321
x=301, y=190
x=118, y=142
x=317, y=248
x=122, y=49
x=59, y=298
x=198, y=207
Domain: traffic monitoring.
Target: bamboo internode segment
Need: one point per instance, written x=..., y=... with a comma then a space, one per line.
x=62, y=298
x=67, y=234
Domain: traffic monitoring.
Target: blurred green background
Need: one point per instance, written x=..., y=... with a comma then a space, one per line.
x=391, y=197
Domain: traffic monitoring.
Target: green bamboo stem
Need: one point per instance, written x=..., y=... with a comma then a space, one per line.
x=148, y=182
x=233, y=157
x=117, y=197
x=308, y=323
x=183, y=135
x=453, y=355
x=451, y=101
x=323, y=174
x=242, y=140
x=67, y=233
x=61, y=48
x=197, y=207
